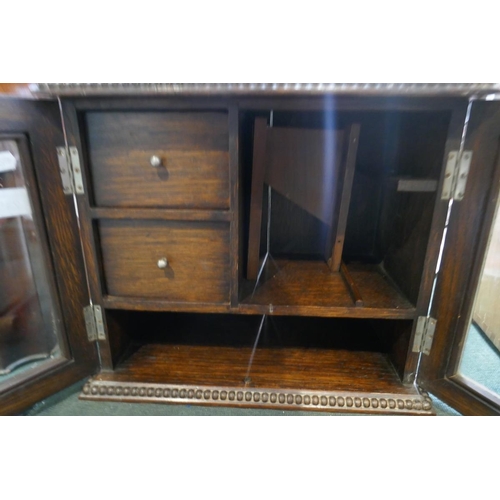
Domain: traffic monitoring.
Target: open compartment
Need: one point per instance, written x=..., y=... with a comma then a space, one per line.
x=264, y=360
x=382, y=214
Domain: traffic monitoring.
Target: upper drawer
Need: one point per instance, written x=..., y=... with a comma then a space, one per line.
x=193, y=148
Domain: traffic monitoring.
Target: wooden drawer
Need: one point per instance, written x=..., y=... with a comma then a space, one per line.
x=192, y=146
x=197, y=255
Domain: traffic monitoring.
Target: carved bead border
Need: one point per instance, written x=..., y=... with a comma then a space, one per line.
x=272, y=398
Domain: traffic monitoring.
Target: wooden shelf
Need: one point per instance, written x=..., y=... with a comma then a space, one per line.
x=298, y=368
x=142, y=304
x=288, y=377
x=310, y=288
x=299, y=288
x=160, y=214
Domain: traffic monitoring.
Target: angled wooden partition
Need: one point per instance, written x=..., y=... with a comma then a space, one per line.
x=313, y=168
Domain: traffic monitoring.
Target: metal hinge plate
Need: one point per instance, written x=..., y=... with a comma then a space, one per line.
x=70, y=170
x=455, y=176
x=424, y=334
x=94, y=323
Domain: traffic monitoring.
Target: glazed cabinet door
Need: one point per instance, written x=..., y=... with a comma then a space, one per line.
x=43, y=339
x=463, y=366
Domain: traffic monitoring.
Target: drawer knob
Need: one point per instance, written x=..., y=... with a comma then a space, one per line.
x=155, y=161
x=162, y=263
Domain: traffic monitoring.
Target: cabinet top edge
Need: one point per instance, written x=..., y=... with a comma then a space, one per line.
x=262, y=89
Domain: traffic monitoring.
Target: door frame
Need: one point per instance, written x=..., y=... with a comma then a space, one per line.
x=40, y=123
x=470, y=222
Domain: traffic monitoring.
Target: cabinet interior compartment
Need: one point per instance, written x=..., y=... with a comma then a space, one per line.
x=294, y=353
x=333, y=305
x=394, y=188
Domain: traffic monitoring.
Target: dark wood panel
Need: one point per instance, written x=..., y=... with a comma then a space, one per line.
x=197, y=255
x=312, y=169
x=407, y=217
x=232, y=330
x=303, y=165
x=193, y=148
x=294, y=232
x=407, y=237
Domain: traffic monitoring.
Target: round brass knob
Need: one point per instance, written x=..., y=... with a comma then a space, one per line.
x=162, y=263
x=155, y=161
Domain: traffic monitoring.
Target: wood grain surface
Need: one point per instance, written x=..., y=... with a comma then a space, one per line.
x=309, y=287
x=193, y=148
x=291, y=368
x=197, y=254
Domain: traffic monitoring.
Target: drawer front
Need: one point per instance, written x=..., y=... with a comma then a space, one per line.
x=193, y=149
x=197, y=260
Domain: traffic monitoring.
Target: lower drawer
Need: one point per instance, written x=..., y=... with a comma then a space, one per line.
x=176, y=261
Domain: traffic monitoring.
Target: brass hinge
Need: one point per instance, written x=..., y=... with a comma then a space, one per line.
x=455, y=176
x=424, y=334
x=70, y=170
x=94, y=323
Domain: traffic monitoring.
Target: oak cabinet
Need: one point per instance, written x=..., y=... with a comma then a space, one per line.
x=150, y=264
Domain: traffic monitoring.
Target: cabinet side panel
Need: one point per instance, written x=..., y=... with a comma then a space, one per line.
x=407, y=216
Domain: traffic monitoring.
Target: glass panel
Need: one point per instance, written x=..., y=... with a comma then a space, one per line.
x=481, y=355
x=28, y=325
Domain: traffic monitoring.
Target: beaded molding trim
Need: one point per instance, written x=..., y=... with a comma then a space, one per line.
x=422, y=89
x=262, y=398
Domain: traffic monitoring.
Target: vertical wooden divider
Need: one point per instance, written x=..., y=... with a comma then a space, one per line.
x=234, y=186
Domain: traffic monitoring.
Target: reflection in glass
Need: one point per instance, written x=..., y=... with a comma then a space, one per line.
x=28, y=330
x=481, y=355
